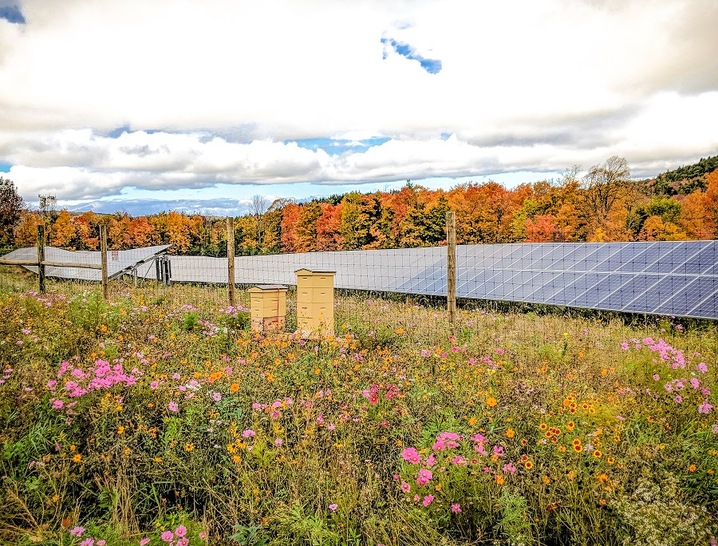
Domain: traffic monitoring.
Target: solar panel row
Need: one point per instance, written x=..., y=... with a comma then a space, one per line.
x=665, y=277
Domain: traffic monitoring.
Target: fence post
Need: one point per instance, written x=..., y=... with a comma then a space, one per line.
x=230, y=260
x=451, y=269
x=41, y=258
x=103, y=261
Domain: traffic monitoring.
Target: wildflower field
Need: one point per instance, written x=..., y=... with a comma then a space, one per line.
x=160, y=419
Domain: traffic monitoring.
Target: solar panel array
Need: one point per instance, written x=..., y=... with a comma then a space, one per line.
x=665, y=277
x=118, y=261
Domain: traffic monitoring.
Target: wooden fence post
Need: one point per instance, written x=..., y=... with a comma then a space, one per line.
x=103, y=261
x=41, y=258
x=451, y=269
x=230, y=260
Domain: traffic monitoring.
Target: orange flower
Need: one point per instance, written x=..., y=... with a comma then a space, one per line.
x=510, y=433
x=215, y=376
x=491, y=402
x=234, y=387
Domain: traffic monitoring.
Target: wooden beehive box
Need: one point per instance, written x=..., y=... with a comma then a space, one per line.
x=268, y=303
x=315, y=302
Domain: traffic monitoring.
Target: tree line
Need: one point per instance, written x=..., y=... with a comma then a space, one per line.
x=604, y=205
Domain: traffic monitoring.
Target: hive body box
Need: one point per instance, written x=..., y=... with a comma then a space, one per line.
x=268, y=307
x=315, y=302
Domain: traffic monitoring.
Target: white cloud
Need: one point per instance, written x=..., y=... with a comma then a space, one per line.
x=210, y=92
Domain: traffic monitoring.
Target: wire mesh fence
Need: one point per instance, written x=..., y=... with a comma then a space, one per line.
x=662, y=278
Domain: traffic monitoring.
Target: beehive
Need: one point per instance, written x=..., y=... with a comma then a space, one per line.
x=268, y=303
x=315, y=302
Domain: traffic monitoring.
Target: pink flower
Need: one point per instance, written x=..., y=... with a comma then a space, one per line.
x=405, y=487
x=216, y=396
x=333, y=507
x=173, y=407
x=411, y=455
x=702, y=367
x=705, y=407
x=77, y=531
x=102, y=542
x=202, y=535
x=89, y=541
x=424, y=476
x=143, y=542
x=167, y=536
x=249, y=433
x=181, y=531
x=154, y=385
x=428, y=500
x=456, y=508
x=278, y=442
x=656, y=377
x=57, y=404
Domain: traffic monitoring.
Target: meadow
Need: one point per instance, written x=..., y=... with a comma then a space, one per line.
x=160, y=419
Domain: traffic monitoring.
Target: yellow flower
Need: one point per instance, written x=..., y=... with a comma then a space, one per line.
x=546, y=480
x=76, y=458
x=189, y=446
x=510, y=433
x=597, y=453
x=692, y=468
x=528, y=465
x=120, y=430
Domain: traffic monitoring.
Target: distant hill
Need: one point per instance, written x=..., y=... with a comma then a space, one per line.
x=685, y=180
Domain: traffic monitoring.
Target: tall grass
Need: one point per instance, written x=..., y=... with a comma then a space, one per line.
x=158, y=419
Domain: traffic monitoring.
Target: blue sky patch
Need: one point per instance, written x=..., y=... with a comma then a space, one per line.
x=12, y=14
x=339, y=146
x=5, y=167
x=432, y=66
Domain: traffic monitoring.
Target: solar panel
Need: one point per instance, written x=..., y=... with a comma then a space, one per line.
x=663, y=277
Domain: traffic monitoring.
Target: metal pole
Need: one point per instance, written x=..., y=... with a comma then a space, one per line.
x=41, y=258
x=230, y=260
x=103, y=261
x=451, y=269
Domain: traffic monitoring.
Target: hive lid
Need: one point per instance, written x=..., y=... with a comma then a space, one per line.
x=304, y=270
x=261, y=287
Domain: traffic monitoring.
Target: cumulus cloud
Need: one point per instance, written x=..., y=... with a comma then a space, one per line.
x=171, y=94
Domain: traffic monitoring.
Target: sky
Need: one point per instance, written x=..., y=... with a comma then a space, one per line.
x=151, y=105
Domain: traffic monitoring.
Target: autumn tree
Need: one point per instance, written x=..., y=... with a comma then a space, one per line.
x=63, y=230
x=141, y=233
x=87, y=234
x=604, y=185
x=711, y=203
x=359, y=213
x=306, y=227
x=328, y=224
x=118, y=232
x=25, y=232
x=258, y=208
x=11, y=210
x=290, y=216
